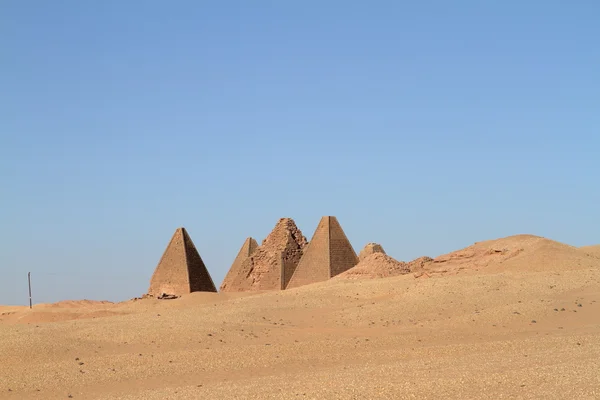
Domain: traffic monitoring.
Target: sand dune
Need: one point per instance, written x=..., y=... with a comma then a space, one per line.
x=517, y=317
x=591, y=250
x=76, y=304
x=520, y=252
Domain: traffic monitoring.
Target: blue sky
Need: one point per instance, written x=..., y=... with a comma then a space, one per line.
x=424, y=126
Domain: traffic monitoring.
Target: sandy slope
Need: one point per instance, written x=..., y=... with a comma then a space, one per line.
x=592, y=250
x=515, y=253
x=468, y=332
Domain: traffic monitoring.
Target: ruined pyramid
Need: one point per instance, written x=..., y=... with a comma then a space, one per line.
x=180, y=269
x=273, y=263
x=369, y=249
x=376, y=265
x=328, y=254
x=245, y=252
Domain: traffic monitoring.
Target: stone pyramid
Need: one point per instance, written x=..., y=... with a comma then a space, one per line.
x=369, y=249
x=273, y=263
x=245, y=252
x=328, y=254
x=180, y=269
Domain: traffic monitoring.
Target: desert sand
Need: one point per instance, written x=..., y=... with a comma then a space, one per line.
x=514, y=318
x=592, y=250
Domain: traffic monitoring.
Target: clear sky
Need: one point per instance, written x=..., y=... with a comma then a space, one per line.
x=422, y=125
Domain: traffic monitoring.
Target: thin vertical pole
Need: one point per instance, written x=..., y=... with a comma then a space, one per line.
x=29, y=280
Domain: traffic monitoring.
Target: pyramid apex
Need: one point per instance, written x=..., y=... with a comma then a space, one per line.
x=286, y=220
x=180, y=230
x=328, y=218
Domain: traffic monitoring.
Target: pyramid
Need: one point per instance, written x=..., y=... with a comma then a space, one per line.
x=180, y=269
x=369, y=249
x=273, y=263
x=328, y=254
x=245, y=252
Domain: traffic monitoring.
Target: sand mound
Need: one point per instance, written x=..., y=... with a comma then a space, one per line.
x=591, y=250
x=376, y=265
x=61, y=311
x=419, y=264
x=75, y=304
x=520, y=252
x=369, y=249
x=43, y=317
